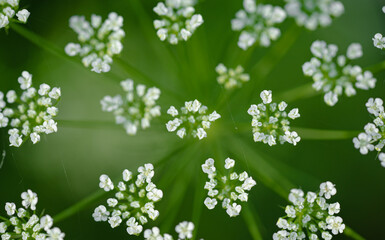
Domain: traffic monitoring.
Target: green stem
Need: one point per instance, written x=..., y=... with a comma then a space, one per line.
x=82, y=205
x=321, y=134
x=352, y=234
x=249, y=217
x=41, y=42
x=297, y=93
x=376, y=68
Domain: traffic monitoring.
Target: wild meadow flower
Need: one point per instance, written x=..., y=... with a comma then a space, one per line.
x=257, y=24
x=191, y=120
x=335, y=75
x=310, y=216
x=313, y=14
x=98, y=41
x=231, y=78
x=271, y=122
x=374, y=136
x=25, y=223
x=230, y=188
x=378, y=39
x=30, y=114
x=184, y=230
x=10, y=9
x=136, y=108
x=178, y=20
x=134, y=200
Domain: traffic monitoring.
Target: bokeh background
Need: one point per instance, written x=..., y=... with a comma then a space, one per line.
x=64, y=167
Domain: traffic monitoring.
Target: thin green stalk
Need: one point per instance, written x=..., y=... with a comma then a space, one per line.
x=268, y=62
x=321, y=134
x=297, y=93
x=79, y=206
x=249, y=217
x=352, y=234
x=376, y=68
x=41, y=42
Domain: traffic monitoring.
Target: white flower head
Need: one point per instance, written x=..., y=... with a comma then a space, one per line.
x=98, y=42
x=8, y=10
x=314, y=14
x=333, y=74
x=231, y=78
x=192, y=120
x=257, y=23
x=178, y=20
x=136, y=108
x=271, y=122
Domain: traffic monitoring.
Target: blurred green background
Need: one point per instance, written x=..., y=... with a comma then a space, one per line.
x=64, y=167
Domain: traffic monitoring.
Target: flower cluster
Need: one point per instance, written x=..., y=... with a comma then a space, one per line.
x=24, y=223
x=335, y=75
x=184, y=229
x=231, y=78
x=133, y=202
x=178, y=20
x=378, y=39
x=136, y=108
x=30, y=114
x=10, y=8
x=314, y=13
x=374, y=136
x=192, y=120
x=257, y=24
x=228, y=188
x=99, y=42
x=310, y=216
x=271, y=121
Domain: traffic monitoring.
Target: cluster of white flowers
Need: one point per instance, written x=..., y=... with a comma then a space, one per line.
x=310, y=216
x=133, y=202
x=178, y=20
x=231, y=78
x=271, y=121
x=192, y=120
x=228, y=188
x=136, y=108
x=25, y=224
x=374, y=136
x=9, y=9
x=378, y=39
x=314, y=13
x=257, y=24
x=30, y=114
x=99, y=42
x=335, y=75
x=184, y=229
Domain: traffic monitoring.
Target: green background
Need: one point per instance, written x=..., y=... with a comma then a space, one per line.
x=64, y=167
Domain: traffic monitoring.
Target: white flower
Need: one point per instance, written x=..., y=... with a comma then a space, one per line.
x=233, y=210
x=106, y=183
x=101, y=214
x=35, y=138
x=210, y=203
x=229, y=163
x=327, y=190
x=363, y=142
x=379, y=41
x=55, y=234
x=23, y=15
x=10, y=208
x=335, y=224
x=334, y=208
x=29, y=199
x=185, y=230
x=381, y=157
x=25, y=80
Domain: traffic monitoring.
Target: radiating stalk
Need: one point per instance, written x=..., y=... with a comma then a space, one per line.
x=250, y=219
x=298, y=93
x=321, y=134
x=79, y=206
